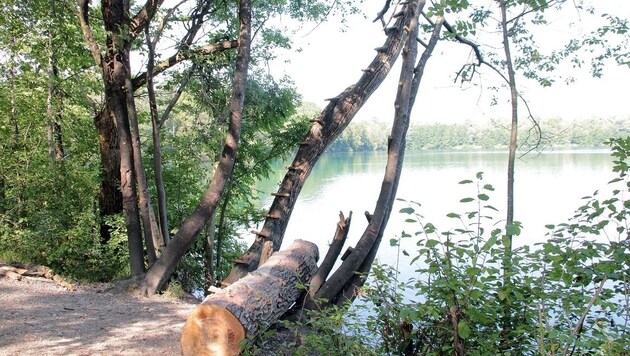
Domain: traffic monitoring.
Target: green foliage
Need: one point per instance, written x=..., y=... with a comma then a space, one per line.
x=565, y=295
x=175, y=290
x=333, y=331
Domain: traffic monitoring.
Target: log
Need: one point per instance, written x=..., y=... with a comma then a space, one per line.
x=250, y=305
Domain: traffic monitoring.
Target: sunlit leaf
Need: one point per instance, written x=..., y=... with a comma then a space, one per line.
x=463, y=330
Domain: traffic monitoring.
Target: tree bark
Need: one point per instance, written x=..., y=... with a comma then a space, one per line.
x=115, y=66
x=328, y=126
x=152, y=234
x=341, y=234
x=255, y=301
x=514, y=123
x=209, y=280
x=221, y=229
x=190, y=228
x=55, y=143
x=110, y=200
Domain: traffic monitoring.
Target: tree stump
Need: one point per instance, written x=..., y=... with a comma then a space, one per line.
x=251, y=304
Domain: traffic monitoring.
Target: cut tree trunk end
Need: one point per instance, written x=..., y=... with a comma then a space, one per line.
x=250, y=305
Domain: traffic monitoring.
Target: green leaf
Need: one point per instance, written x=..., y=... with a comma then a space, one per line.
x=513, y=229
x=466, y=181
x=393, y=242
x=502, y=295
x=432, y=243
x=453, y=216
x=463, y=330
x=473, y=271
x=466, y=200
x=407, y=210
x=483, y=197
x=491, y=242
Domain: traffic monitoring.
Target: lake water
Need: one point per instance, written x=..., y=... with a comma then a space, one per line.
x=548, y=189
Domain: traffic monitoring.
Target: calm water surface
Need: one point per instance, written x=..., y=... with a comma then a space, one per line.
x=548, y=189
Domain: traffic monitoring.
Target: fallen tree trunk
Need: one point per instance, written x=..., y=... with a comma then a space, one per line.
x=251, y=304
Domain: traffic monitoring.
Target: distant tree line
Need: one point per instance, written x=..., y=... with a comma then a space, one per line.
x=368, y=135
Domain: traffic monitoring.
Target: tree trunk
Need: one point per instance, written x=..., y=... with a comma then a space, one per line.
x=115, y=68
x=514, y=124
x=55, y=144
x=110, y=200
x=152, y=235
x=250, y=305
x=221, y=230
x=110, y=197
x=328, y=126
x=341, y=234
x=157, y=148
x=507, y=259
x=190, y=228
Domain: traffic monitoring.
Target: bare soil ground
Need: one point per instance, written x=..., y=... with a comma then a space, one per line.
x=39, y=317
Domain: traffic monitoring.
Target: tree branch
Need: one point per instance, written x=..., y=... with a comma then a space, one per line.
x=83, y=12
x=580, y=324
x=534, y=9
x=162, y=24
x=167, y=111
x=144, y=16
x=183, y=55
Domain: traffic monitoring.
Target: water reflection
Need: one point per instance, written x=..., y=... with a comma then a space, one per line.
x=548, y=189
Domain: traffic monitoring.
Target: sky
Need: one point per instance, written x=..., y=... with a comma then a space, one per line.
x=331, y=60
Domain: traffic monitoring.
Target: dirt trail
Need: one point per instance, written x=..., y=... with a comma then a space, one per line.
x=38, y=317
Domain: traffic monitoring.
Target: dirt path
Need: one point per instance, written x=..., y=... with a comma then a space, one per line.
x=38, y=317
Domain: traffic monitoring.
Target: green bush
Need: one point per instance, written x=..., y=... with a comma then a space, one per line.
x=567, y=295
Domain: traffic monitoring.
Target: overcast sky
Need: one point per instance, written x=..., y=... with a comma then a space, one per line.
x=331, y=60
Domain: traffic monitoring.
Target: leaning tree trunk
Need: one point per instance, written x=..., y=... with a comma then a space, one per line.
x=249, y=306
x=328, y=126
x=407, y=92
x=159, y=273
x=343, y=281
